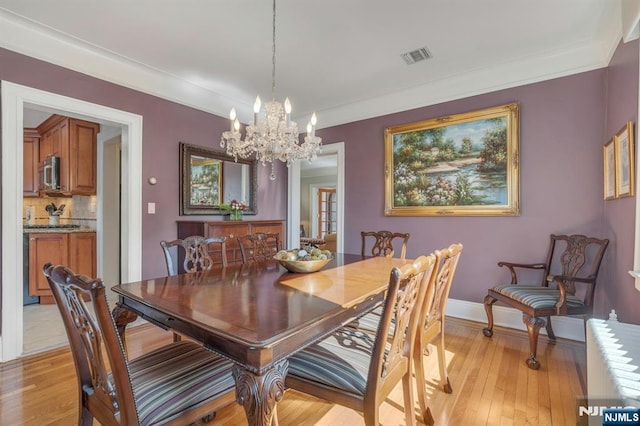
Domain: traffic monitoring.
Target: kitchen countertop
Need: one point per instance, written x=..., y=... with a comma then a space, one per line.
x=56, y=229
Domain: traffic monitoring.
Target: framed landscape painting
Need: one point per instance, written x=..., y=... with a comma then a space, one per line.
x=460, y=165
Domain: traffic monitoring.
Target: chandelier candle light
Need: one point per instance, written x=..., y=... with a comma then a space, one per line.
x=273, y=136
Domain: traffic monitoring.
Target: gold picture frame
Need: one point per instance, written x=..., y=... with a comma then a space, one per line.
x=609, y=171
x=624, y=161
x=460, y=165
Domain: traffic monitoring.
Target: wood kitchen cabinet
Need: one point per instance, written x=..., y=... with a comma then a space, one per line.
x=76, y=250
x=82, y=253
x=30, y=162
x=231, y=230
x=76, y=143
x=43, y=248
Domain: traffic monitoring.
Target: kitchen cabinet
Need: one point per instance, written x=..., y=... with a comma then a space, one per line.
x=82, y=253
x=231, y=230
x=43, y=248
x=30, y=162
x=76, y=143
x=77, y=250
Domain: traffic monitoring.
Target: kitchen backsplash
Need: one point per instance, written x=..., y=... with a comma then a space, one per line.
x=78, y=210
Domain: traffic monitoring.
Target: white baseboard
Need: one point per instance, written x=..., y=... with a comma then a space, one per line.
x=565, y=327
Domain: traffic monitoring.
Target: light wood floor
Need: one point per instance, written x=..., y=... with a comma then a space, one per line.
x=491, y=385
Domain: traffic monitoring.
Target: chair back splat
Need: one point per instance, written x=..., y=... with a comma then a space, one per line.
x=358, y=369
x=197, y=253
x=259, y=246
x=566, y=287
x=382, y=243
x=191, y=384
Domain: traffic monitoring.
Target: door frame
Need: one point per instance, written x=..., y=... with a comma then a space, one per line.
x=13, y=100
x=293, y=203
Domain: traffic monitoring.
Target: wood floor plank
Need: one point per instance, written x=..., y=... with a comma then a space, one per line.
x=493, y=395
x=491, y=385
x=556, y=376
x=475, y=397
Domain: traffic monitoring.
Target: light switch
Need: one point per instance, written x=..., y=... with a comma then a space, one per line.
x=151, y=208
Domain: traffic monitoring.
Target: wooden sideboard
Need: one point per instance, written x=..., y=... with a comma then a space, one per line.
x=231, y=230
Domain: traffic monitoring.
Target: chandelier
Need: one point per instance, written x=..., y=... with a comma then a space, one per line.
x=272, y=136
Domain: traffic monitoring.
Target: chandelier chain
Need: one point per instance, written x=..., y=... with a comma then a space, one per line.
x=273, y=56
x=273, y=136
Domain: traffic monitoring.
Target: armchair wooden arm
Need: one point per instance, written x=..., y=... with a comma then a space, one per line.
x=566, y=285
x=512, y=266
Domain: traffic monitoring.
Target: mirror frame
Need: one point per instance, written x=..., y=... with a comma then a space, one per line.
x=186, y=208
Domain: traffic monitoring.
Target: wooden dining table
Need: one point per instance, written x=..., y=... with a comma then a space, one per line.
x=257, y=315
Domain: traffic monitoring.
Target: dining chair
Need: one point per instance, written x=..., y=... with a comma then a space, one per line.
x=357, y=369
x=432, y=318
x=178, y=383
x=566, y=288
x=259, y=246
x=197, y=255
x=381, y=243
x=431, y=324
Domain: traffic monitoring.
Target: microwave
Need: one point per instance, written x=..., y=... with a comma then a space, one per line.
x=50, y=174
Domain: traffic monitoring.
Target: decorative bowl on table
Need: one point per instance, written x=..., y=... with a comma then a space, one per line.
x=302, y=261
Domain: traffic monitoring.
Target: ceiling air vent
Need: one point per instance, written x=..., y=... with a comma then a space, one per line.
x=416, y=55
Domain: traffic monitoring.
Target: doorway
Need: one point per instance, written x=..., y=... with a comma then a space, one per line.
x=15, y=98
x=300, y=204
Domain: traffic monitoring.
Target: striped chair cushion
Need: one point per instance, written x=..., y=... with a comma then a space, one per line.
x=536, y=296
x=341, y=360
x=161, y=389
x=369, y=322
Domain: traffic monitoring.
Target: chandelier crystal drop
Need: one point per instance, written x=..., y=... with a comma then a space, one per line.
x=273, y=135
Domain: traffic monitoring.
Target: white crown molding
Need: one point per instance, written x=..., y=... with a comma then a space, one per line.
x=26, y=37
x=630, y=14
x=32, y=39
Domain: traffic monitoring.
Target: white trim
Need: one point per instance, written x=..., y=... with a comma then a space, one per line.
x=293, y=206
x=564, y=327
x=293, y=203
x=630, y=13
x=29, y=38
x=636, y=249
x=14, y=98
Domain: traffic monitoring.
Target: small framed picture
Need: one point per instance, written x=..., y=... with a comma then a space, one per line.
x=623, y=141
x=609, y=171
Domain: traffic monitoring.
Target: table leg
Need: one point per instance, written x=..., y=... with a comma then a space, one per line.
x=259, y=394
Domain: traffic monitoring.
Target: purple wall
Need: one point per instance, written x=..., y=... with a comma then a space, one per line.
x=165, y=124
x=563, y=125
x=561, y=138
x=618, y=291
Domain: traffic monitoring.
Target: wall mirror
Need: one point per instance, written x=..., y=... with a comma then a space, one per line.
x=209, y=178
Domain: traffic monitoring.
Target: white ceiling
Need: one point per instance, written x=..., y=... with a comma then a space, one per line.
x=340, y=58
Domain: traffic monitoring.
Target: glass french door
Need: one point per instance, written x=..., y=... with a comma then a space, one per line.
x=327, y=217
